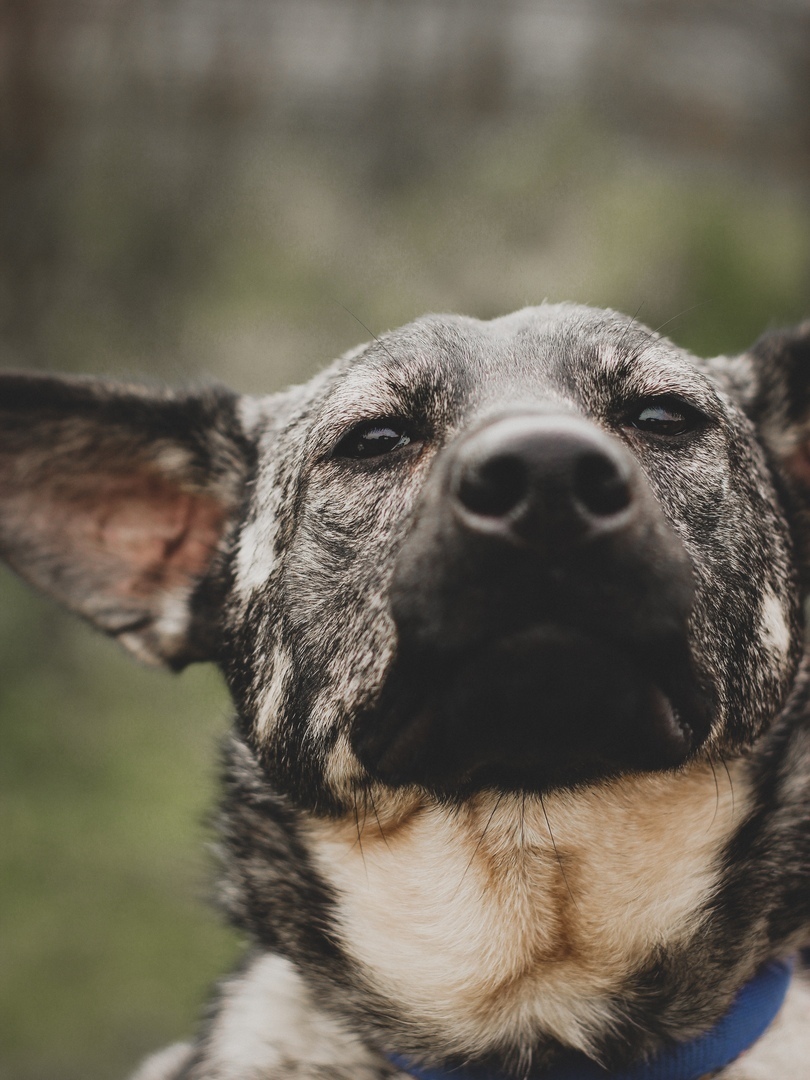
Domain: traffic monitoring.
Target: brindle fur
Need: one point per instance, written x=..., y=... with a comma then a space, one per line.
x=396, y=899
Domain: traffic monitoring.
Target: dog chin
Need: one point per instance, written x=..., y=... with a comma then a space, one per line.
x=545, y=708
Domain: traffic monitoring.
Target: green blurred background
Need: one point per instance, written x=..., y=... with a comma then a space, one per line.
x=192, y=189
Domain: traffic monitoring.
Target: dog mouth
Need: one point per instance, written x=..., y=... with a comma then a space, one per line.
x=546, y=707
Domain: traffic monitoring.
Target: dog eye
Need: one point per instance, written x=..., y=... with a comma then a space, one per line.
x=373, y=438
x=663, y=416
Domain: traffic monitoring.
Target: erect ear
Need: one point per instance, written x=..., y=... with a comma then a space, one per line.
x=771, y=382
x=780, y=403
x=117, y=500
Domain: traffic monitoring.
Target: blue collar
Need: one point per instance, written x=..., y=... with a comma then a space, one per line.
x=751, y=1013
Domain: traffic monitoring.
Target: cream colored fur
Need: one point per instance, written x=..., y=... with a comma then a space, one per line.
x=269, y=1025
x=509, y=917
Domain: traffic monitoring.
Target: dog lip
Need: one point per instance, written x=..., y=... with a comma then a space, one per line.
x=448, y=722
x=675, y=735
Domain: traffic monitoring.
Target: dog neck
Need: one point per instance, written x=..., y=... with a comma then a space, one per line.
x=754, y=1009
x=511, y=920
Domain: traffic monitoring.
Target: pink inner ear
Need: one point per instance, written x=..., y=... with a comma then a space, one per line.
x=797, y=464
x=161, y=536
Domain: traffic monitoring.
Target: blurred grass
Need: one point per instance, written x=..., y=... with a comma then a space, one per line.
x=107, y=770
x=106, y=774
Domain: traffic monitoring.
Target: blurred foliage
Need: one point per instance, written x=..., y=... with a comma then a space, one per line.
x=106, y=775
x=183, y=244
x=506, y=216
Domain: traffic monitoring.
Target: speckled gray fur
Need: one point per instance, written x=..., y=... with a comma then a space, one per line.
x=303, y=598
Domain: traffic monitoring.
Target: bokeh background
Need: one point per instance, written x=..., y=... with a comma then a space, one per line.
x=193, y=188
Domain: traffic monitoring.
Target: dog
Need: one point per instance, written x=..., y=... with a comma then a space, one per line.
x=511, y=615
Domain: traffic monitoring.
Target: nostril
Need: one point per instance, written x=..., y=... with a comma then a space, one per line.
x=493, y=487
x=600, y=486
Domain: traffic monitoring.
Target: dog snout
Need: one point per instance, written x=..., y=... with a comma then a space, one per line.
x=541, y=602
x=542, y=481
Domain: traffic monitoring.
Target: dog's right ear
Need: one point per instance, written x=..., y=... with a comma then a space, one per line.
x=117, y=500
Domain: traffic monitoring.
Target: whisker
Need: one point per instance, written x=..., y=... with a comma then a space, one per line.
x=377, y=816
x=716, y=793
x=680, y=315
x=630, y=322
x=556, y=852
x=730, y=785
x=359, y=842
x=367, y=329
x=478, y=845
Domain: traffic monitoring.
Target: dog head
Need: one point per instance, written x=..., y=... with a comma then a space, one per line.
x=521, y=554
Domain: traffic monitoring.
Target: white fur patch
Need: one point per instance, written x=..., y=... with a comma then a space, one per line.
x=173, y=459
x=166, y=1064
x=253, y=412
x=174, y=613
x=774, y=628
x=273, y=694
x=481, y=925
x=170, y=628
x=255, y=552
x=255, y=556
x=268, y=1019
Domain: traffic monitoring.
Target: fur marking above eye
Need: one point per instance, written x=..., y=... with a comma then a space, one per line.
x=373, y=438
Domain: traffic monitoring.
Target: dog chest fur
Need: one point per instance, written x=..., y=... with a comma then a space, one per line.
x=509, y=916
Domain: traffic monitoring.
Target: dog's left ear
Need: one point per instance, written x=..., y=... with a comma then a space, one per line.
x=771, y=381
x=779, y=399
x=117, y=501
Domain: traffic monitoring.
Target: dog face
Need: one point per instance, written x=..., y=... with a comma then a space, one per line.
x=522, y=554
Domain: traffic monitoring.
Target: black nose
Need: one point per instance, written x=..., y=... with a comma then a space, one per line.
x=542, y=480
